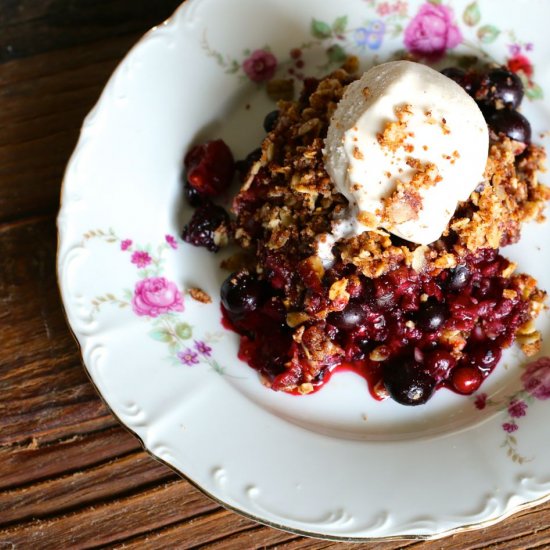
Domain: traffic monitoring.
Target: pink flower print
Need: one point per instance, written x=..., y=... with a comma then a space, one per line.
x=188, y=357
x=510, y=427
x=171, y=241
x=260, y=66
x=536, y=378
x=481, y=401
x=401, y=8
x=141, y=258
x=383, y=9
x=155, y=296
x=125, y=244
x=517, y=409
x=432, y=31
x=203, y=348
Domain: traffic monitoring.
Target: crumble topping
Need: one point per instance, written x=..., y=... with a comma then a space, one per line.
x=287, y=205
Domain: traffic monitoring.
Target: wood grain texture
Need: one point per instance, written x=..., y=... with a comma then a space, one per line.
x=70, y=475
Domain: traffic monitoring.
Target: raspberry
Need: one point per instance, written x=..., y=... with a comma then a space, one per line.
x=210, y=168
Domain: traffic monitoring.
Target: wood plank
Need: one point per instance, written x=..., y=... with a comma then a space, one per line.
x=193, y=534
x=29, y=27
x=54, y=496
x=112, y=521
x=43, y=101
x=37, y=350
x=257, y=537
x=22, y=465
x=316, y=544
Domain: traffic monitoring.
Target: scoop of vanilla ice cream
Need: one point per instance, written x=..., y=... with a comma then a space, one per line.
x=405, y=146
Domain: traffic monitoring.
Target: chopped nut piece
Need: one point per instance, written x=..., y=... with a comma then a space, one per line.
x=296, y=318
x=338, y=290
x=199, y=295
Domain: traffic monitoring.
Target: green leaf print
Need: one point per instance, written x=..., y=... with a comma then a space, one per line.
x=184, y=331
x=162, y=335
x=320, y=29
x=472, y=14
x=534, y=91
x=488, y=34
x=340, y=24
x=336, y=54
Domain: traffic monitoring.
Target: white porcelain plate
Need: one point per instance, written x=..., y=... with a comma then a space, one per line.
x=336, y=463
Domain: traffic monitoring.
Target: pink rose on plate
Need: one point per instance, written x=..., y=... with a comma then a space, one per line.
x=260, y=66
x=536, y=378
x=432, y=31
x=155, y=296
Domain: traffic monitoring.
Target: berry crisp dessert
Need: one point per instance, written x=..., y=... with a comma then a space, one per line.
x=369, y=225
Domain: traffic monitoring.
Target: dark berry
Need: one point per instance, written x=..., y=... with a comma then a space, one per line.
x=210, y=168
x=407, y=383
x=244, y=166
x=347, y=319
x=192, y=196
x=458, y=277
x=432, y=316
x=511, y=124
x=485, y=357
x=500, y=88
x=241, y=293
x=467, y=80
x=454, y=73
x=208, y=227
x=270, y=121
x=466, y=379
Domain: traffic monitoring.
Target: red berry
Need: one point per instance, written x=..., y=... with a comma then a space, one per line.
x=466, y=380
x=210, y=168
x=295, y=53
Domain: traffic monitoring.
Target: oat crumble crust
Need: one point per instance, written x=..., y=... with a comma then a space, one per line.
x=288, y=201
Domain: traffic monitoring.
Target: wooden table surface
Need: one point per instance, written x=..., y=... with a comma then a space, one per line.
x=70, y=475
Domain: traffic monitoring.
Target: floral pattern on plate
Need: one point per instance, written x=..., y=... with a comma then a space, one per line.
x=429, y=34
x=126, y=166
x=159, y=301
x=536, y=386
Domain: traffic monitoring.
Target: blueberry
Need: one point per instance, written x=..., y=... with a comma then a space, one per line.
x=500, y=88
x=241, y=293
x=347, y=319
x=458, y=277
x=432, y=316
x=454, y=73
x=193, y=197
x=467, y=80
x=510, y=123
x=484, y=357
x=406, y=382
x=244, y=166
x=208, y=227
x=270, y=121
